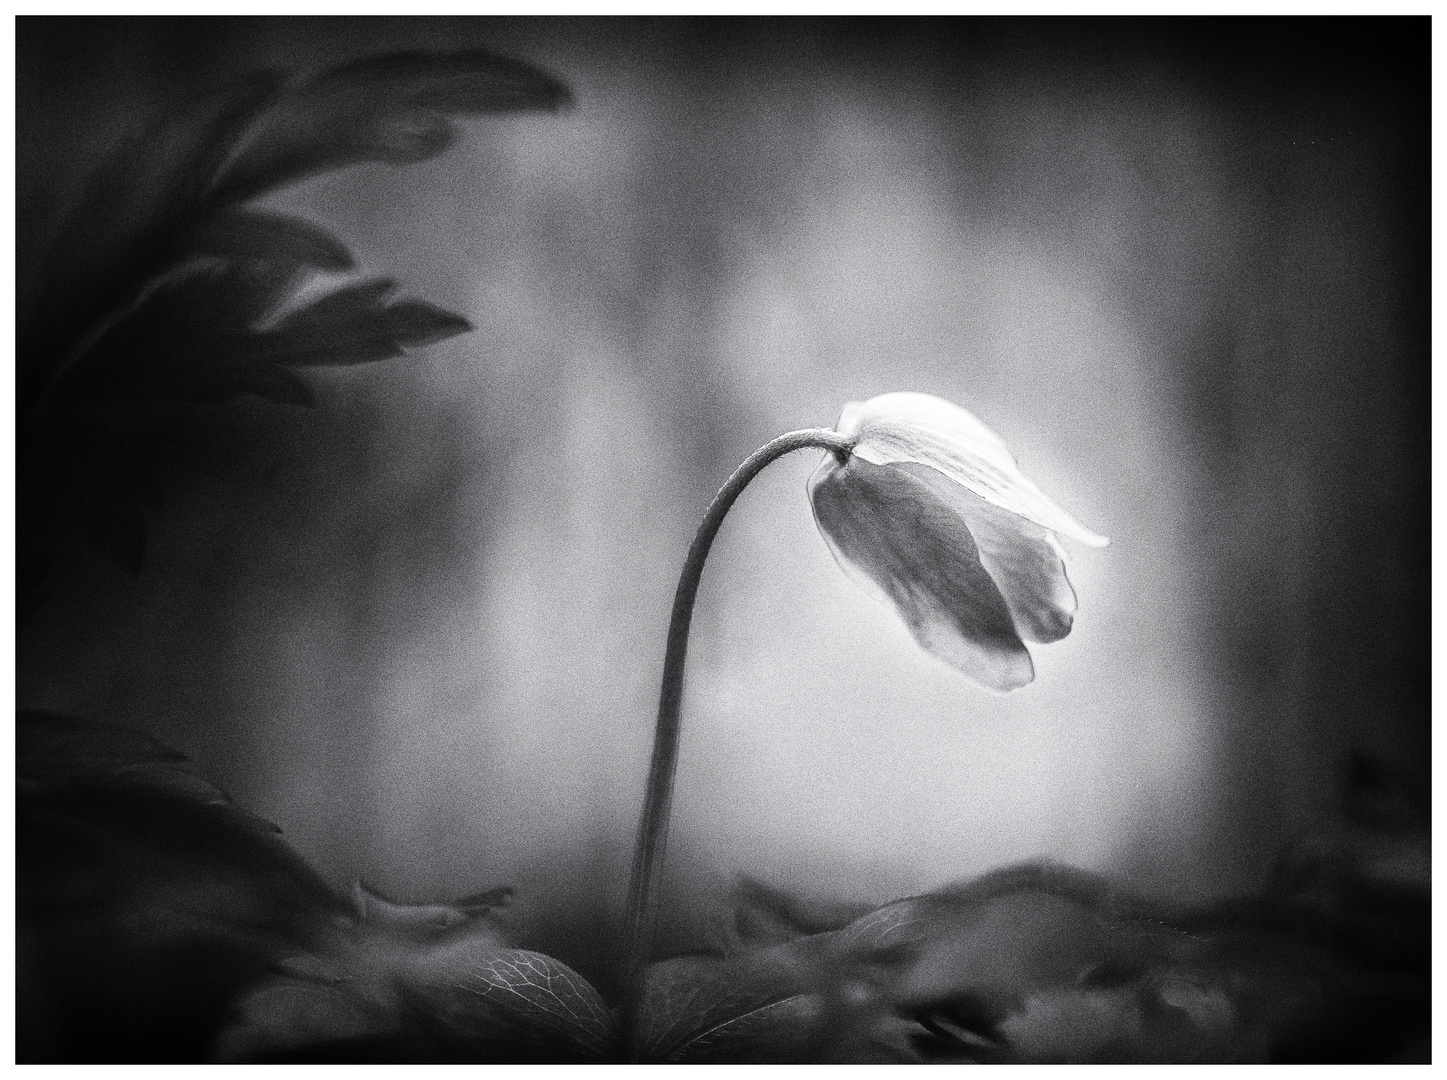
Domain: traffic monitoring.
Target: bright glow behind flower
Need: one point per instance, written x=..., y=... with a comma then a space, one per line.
x=931, y=509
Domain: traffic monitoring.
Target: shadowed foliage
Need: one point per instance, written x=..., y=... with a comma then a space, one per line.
x=164, y=289
x=158, y=921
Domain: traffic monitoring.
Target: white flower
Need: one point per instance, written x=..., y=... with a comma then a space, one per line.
x=931, y=509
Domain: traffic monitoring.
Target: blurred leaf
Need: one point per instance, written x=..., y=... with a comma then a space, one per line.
x=161, y=288
x=54, y=745
x=970, y=964
x=417, y=323
x=763, y=916
x=59, y=749
x=141, y=201
x=162, y=922
x=277, y=384
x=1040, y=963
x=299, y=1020
x=764, y=1007
x=183, y=341
x=195, y=338
x=389, y=108
x=146, y=901
x=355, y=325
x=374, y=908
x=157, y=920
x=382, y=996
x=163, y=194
x=486, y=901
x=262, y=236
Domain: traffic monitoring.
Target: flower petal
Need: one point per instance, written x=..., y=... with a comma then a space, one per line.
x=1026, y=562
x=895, y=530
x=928, y=430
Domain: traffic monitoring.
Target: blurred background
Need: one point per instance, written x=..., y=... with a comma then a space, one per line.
x=1181, y=267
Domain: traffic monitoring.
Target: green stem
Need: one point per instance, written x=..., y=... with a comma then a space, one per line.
x=657, y=802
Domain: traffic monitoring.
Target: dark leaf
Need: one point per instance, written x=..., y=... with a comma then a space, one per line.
x=349, y=302
x=765, y=1007
x=58, y=747
x=378, y=910
x=164, y=195
x=999, y=940
x=288, y=1019
x=764, y=916
x=895, y=930
x=129, y=227
x=1043, y=876
x=195, y=337
x=354, y=325
x=391, y=108
x=257, y=290
x=158, y=288
x=490, y=900
x=269, y=237
x=388, y=996
x=1041, y=963
x=146, y=902
x=416, y=323
x=469, y=81
x=277, y=384
x=189, y=339
x=54, y=745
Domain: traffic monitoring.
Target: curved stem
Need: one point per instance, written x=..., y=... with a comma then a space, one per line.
x=657, y=802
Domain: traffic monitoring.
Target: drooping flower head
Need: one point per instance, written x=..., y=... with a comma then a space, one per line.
x=931, y=509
